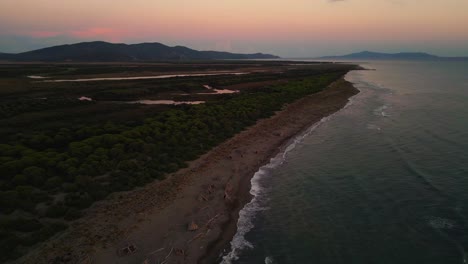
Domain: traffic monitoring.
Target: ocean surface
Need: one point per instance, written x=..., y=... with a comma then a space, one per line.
x=385, y=180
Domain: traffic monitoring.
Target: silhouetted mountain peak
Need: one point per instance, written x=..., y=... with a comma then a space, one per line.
x=105, y=51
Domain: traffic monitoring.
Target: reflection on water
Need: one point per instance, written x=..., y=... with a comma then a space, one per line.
x=144, y=77
x=37, y=77
x=166, y=102
x=85, y=98
x=219, y=91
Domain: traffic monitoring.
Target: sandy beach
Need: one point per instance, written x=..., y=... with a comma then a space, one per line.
x=191, y=216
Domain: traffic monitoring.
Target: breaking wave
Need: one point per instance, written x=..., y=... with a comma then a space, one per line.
x=247, y=214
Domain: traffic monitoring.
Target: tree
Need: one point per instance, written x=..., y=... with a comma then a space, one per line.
x=8, y=201
x=56, y=210
x=20, y=179
x=35, y=175
x=80, y=149
x=53, y=182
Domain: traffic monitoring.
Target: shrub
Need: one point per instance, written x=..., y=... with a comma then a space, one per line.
x=56, y=210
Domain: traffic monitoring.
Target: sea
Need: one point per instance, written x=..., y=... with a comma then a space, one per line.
x=384, y=180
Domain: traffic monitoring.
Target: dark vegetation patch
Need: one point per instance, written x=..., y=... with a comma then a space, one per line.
x=59, y=155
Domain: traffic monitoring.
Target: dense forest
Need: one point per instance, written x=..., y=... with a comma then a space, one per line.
x=50, y=174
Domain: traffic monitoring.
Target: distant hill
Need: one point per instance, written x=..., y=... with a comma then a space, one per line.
x=5, y=56
x=108, y=52
x=369, y=55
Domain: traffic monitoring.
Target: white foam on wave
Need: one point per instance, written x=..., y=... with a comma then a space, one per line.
x=373, y=127
x=380, y=111
x=269, y=260
x=361, y=80
x=441, y=223
x=247, y=214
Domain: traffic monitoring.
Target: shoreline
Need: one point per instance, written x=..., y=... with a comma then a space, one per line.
x=222, y=246
x=206, y=197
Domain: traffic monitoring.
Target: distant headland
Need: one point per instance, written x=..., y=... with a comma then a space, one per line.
x=370, y=55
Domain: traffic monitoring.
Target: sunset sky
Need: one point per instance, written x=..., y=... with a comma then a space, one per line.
x=293, y=28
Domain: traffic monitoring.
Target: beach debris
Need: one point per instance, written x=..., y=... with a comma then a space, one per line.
x=227, y=192
x=202, y=198
x=165, y=259
x=208, y=223
x=179, y=252
x=67, y=258
x=210, y=189
x=227, y=197
x=196, y=237
x=86, y=260
x=192, y=226
x=200, y=235
x=156, y=251
x=128, y=250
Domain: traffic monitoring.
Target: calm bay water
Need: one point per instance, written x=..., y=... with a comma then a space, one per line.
x=385, y=180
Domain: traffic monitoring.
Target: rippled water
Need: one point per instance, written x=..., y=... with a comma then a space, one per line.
x=383, y=181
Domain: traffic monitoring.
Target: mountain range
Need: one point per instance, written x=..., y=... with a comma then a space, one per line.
x=370, y=55
x=99, y=51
